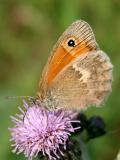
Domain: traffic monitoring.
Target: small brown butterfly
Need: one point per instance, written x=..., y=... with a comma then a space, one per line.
x=78, y=74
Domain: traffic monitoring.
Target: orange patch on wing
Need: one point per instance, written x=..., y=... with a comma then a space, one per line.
x=82, y=49
x=62, y=58
x=59, y=61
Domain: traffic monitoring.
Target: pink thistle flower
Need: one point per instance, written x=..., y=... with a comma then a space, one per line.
x=37, y=129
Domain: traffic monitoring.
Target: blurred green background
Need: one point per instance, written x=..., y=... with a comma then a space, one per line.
x=28, y=31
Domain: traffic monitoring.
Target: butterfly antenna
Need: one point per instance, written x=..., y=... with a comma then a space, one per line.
x=21, y=97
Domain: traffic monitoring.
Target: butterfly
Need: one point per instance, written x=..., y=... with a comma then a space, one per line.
x=78, y=73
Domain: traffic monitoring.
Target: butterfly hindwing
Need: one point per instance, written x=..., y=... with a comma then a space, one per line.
x=87, y=81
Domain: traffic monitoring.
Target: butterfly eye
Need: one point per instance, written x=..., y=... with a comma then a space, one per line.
x=71, y=43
